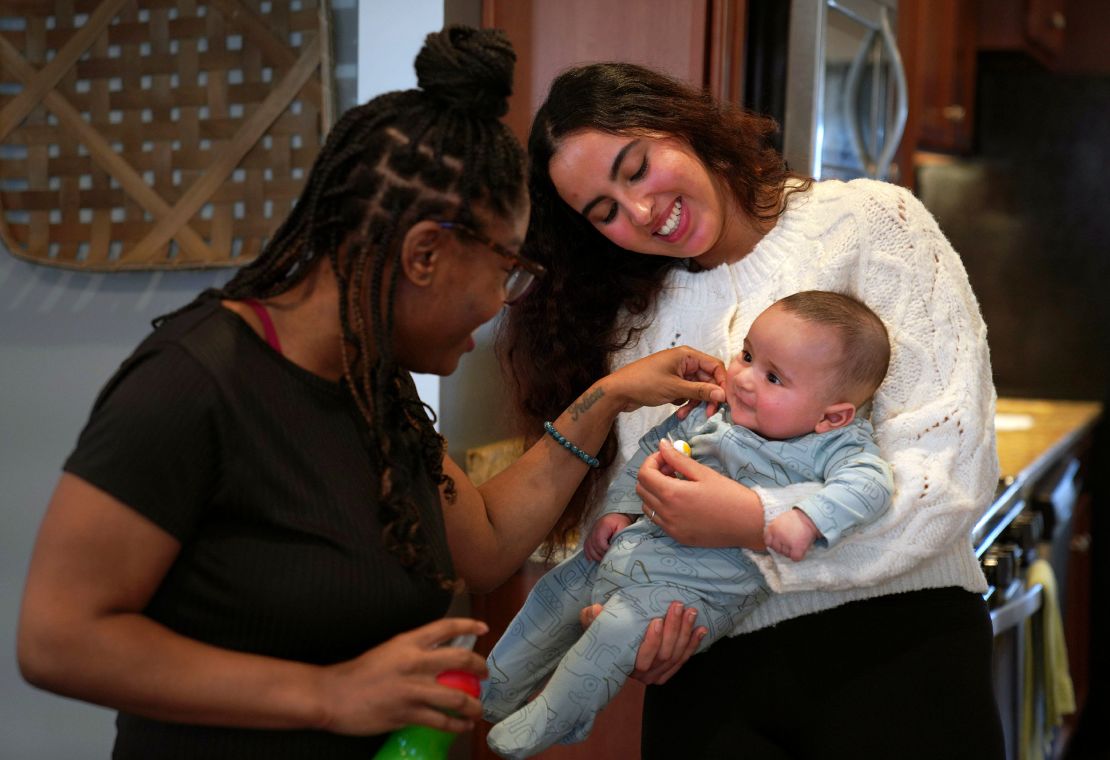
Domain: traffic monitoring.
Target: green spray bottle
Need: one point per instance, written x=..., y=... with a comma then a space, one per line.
x=423, y=742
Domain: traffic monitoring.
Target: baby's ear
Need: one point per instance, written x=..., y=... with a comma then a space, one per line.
x=836, y=416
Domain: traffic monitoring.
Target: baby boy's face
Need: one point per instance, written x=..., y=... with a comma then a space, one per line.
x=782, y=382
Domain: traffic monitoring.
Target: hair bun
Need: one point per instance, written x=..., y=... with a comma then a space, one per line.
x=468, y=69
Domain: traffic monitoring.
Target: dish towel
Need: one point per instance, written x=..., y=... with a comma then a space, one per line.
x=1059, y=693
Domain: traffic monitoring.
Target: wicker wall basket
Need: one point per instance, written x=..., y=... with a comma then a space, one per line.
x=156, y=134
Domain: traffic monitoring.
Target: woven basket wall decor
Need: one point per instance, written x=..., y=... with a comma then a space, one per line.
x=156, y=134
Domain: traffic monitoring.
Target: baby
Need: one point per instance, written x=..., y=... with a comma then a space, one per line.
x=809, y=362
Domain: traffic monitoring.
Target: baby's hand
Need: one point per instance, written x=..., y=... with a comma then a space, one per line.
x=597, y=543
x=791, y=534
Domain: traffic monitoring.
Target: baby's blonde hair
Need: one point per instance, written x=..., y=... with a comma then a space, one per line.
x=865, y=343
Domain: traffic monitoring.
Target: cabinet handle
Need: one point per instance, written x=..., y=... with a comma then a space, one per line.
x=1058, y=20
x=954, y=113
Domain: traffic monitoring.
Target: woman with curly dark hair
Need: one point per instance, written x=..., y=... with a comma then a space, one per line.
x=249, y=549
x=664, y=218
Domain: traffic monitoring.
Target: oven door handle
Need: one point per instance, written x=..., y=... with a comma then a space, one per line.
x=1017, y=610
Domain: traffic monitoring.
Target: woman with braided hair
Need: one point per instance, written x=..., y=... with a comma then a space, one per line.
x=251, y=547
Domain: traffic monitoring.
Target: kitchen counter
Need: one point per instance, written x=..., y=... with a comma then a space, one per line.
x=1034, y=435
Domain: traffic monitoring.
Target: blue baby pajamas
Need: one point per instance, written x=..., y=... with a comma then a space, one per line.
x=645, y=570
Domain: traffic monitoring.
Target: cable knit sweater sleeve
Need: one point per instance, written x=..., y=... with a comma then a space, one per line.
x=933, y=415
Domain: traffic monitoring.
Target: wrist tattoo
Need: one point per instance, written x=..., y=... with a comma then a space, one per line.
x=582, y=405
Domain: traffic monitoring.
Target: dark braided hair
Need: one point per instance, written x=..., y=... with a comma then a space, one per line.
x=558, y=341
x=436, y=152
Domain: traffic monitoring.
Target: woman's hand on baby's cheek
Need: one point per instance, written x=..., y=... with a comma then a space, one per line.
x=674, y=375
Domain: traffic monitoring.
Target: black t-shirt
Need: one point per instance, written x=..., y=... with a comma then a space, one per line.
x=264, y=472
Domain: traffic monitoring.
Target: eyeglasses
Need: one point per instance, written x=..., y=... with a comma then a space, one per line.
x=523, y=275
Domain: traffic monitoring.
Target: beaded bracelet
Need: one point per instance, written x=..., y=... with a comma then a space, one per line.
x=591, y=461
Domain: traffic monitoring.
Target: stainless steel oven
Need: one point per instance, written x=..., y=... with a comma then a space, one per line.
x=1027, y=521
x=1016, y=614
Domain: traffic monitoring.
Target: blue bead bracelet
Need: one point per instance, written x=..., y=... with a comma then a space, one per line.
x=591, y=461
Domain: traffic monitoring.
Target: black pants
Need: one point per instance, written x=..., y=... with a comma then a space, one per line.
x=900, y=676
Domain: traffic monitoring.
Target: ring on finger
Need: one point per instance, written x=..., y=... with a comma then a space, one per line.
x=651, y=514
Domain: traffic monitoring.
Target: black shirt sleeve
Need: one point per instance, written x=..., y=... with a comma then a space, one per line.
x=152, y=441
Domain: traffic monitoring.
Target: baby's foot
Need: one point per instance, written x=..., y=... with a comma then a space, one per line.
x=532, y=729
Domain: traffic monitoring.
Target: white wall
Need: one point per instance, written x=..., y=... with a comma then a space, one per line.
x=390, y=35
x=470, y=403
x=62, y=334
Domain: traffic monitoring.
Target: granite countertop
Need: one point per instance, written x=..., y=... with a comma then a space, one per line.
x=1034, y=435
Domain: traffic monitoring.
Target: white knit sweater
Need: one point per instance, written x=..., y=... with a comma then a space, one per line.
x=933, y=415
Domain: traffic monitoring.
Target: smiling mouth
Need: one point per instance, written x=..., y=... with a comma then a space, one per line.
x=671, y=224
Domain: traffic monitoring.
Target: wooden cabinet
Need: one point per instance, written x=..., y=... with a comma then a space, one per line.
x=698, y=41
x=1036, y=27
x=938, y=38
x=1087, y=29
x=1046, y=24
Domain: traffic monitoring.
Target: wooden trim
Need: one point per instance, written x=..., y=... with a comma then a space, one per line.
x=728, y=26
x=489, y=16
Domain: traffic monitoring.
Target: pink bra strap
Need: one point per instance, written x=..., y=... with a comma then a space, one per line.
x=267, y=323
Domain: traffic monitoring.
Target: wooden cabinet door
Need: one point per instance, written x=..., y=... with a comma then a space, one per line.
x=946, y=41
x=698, y=41
x=1035, y=27
x=1045, y=24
